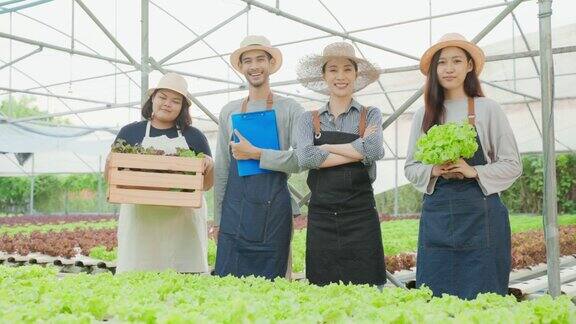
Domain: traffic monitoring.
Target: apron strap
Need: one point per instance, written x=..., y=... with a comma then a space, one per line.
x=147, y=134
x=471, y=112
x=269, y=103
x=362, y=125
x=316, y=123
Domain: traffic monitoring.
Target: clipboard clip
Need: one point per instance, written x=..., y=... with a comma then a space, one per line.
x=318, y=135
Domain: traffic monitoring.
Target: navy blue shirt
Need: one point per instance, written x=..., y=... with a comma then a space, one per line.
x=134, y=134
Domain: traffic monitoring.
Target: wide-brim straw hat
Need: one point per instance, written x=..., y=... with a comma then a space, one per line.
x=449, y=40
x=309, y=69
x=255, y=42
x=174, y=82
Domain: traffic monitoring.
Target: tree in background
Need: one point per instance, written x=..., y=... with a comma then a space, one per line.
x=25, y=107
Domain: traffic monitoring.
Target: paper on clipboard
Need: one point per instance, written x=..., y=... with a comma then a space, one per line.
x=260, y=129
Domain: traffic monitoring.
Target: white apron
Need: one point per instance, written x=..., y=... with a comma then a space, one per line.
x=157, y=238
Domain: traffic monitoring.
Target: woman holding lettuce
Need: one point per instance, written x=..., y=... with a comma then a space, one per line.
x=464, y=239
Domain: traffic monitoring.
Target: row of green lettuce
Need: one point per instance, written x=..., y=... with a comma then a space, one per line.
x=34, y=294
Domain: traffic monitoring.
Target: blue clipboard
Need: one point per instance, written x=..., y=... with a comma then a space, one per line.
x=260, y=129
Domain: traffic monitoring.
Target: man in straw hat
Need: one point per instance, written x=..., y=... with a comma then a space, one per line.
x=340, y=143
x=253, y=214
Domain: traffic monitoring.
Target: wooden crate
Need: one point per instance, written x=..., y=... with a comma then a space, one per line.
x=138, y=179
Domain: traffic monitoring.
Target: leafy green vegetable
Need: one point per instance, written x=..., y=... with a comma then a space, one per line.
x=120, y=146
x=101, y=253
x=33, y=294
x=188, y=153
x=446, y=143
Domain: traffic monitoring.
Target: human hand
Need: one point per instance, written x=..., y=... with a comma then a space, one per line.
x=244, y=150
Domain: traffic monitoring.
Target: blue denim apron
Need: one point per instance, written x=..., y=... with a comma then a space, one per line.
x=464, y=244
x=255, y=226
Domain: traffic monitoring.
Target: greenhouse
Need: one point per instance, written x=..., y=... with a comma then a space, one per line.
x=74, y=73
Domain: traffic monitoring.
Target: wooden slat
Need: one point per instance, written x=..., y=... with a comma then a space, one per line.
x=155, y=180
x=155, y=162
x=153, y=197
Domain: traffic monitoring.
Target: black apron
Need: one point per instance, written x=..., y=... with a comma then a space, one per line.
x=256, y=222
x=464, y=244
x=343, y=239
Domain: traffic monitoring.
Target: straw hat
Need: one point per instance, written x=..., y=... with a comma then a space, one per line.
x=254, y=42
x=174, y=82
x=453, y=39
x=309, y=69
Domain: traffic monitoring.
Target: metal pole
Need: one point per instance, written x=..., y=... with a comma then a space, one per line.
x=28, y=5
x=106, y=32
x=396, y=169
x=203, y=40
x=360, y=30
x=32, y=180
x=39, y=49
x=62, y=49
x=201, y=37
x=53, y=95
x=509, y=90
x=492, y=58
x=547, y=94
x=144, y=16
x=73, y=112
x=100, y=196
x=324, y=29
x=430, y=23
x=73, y=40
x=47, y=90
x=526, y=43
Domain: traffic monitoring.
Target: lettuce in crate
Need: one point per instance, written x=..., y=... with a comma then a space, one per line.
x=446, y=143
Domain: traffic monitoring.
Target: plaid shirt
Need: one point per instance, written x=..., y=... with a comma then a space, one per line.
x=371, y=147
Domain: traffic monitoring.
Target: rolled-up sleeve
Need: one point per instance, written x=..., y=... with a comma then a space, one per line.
x=506, y=164
x=371, y=147
x=417, y=173
x=309, y=156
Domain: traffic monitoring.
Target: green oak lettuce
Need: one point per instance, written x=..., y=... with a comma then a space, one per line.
x=446, y=143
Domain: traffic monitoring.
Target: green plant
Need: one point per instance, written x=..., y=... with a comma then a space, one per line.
x=35, y=294
x=525, y=195
x=446, y=143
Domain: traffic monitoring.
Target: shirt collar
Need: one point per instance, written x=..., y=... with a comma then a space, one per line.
x=353, y=104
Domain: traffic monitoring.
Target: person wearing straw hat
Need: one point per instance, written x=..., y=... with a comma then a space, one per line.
x=157, y=238
x=340, y=144
x=253, y=214
x=464, y=238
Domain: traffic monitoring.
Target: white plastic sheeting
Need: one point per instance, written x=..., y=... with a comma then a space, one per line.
x=70, y=149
